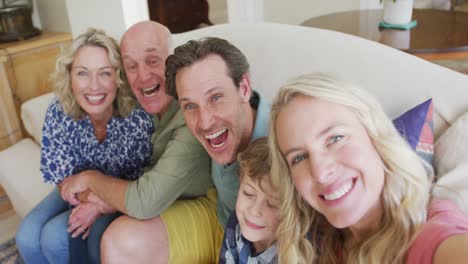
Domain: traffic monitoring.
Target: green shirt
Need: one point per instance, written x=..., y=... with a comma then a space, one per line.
x=181, y=168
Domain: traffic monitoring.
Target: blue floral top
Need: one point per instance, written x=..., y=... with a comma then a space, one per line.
x=70, y=146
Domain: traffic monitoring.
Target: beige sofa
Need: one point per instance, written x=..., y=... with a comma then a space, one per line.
x=19, y=164
x=277, y=52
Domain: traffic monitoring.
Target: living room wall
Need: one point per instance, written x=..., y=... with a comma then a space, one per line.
x=297, y=11
x=115, y=16
x=76, y=16
x=111, y=15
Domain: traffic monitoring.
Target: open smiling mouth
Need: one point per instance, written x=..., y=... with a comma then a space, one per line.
x=217, y=139
x=340, y=192
x=147, y=92
x=95, y=99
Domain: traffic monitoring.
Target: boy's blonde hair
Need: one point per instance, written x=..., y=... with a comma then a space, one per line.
x=255, y=162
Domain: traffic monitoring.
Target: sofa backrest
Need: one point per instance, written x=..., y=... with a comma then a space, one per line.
x=400, y=81
x=33, y=113
x=277, y=52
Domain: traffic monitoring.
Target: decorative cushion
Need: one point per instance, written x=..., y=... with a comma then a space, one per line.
x=33, y=114
x=452, y=147
x=417, y=127
x=453, y=185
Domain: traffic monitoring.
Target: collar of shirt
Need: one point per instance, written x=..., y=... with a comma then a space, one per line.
x=260, y=126
x=166, y=117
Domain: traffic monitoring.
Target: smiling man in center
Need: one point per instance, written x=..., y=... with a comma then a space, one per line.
x=211, y=80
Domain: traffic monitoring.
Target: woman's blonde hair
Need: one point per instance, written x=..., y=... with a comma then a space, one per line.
x=304, y=235
x=61, y=78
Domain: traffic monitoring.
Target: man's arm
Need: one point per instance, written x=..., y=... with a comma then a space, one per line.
x=110, y=189
x=183, y=169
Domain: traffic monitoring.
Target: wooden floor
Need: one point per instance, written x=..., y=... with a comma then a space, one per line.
x=5, y=204
x=9, y=220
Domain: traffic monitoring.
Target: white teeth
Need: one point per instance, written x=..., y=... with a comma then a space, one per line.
x=94, y=98
x=215, y=135
x=150, y=90
x=340, y=192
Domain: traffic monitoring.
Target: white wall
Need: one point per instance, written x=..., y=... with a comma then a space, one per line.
x=292, y=11
x=115, y=16
x=218, y=11
x=371, y=4
x=297, y=11
x=53, y=15
x=241, y=11
x=35, y=16
x=75, y=16
x=103, y=14
x=134, y=11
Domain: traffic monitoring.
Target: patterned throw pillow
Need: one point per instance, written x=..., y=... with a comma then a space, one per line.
x=417, y=127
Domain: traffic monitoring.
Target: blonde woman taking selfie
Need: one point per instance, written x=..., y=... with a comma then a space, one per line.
x=353, y=190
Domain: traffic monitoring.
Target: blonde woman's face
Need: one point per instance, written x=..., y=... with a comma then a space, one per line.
x=93, y=81
x=333, y=162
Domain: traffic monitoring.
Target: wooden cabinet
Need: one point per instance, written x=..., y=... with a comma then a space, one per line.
x=25, y=67
x=179, y=15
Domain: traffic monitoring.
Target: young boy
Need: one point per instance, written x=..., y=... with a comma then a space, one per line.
x=250, y=232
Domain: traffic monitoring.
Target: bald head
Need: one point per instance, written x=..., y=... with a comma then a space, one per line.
x=147, y=31
x=144, y=48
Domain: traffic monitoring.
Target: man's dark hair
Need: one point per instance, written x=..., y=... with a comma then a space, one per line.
x=196, y=50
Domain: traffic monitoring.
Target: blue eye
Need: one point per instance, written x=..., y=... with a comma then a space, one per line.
x=189, y=107
x=336, y=138
x=298, y=159
x=216, y=97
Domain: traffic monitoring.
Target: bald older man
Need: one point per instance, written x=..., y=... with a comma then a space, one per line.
x=181, y=166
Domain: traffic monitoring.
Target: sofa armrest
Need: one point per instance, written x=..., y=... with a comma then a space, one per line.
x=20, y=176
x=33, y=113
